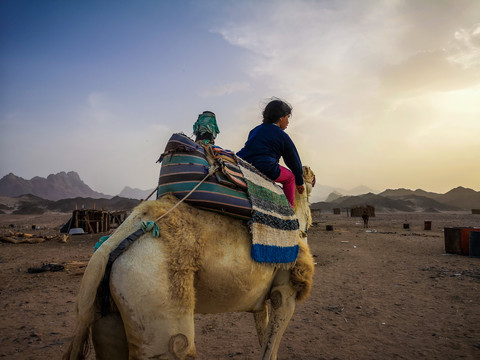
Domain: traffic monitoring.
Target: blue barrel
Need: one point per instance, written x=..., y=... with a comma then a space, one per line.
x=474, y=244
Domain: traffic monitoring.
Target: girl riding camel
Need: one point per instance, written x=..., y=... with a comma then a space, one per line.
x=268, y=142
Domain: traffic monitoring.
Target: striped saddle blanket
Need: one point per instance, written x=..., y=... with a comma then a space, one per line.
x=237, y=189
x=184, y=165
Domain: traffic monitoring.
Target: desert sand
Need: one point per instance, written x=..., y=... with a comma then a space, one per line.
x=380, y=293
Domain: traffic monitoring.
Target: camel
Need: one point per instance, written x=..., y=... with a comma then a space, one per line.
x=200, y=263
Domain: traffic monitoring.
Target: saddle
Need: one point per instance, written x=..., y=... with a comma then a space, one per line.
x=185, y=163
x=236, y=189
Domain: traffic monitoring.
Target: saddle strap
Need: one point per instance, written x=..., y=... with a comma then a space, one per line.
x=105, y=283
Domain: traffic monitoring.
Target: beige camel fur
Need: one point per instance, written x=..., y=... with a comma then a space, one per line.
x=302, y=203
x=201, y=263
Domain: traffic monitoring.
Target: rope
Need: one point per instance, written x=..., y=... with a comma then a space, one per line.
x=211, y=171
x=148, y=197
x=150, y=226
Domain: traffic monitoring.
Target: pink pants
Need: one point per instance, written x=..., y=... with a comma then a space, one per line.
x=287, y=179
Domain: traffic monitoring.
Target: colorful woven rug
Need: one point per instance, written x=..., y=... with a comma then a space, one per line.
x=184, y=165
x=274, y=226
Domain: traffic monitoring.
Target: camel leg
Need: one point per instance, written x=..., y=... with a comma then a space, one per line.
x=282, y=299
x=157, y=325
x=158, y=328
x=109, y=340
x=261, y=322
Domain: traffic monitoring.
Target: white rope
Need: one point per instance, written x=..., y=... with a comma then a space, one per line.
x=211, y=171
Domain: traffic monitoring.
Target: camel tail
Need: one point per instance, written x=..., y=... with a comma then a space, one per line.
x=79, y=347
x=301, y=276
x=85, y=305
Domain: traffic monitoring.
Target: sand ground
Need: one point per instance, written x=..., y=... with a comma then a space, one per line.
x=390, y=293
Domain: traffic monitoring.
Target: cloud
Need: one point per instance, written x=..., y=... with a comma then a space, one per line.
x=320, y=48
x=373, y=86
x=467, y=46
x=109, y=148
x=456, y=66
x=426, y=72
x=99, y=109
x=97, y=139
x=225, y=89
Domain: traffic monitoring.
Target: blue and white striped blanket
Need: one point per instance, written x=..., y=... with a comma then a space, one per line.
x=274, y=226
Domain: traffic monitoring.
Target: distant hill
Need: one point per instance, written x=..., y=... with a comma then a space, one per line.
x=55, y=187
x=462, y=197
x=322, y=192
x=459, y=197
x=407, y=200
x=133, y=193
x=67, y=190
x=333, y=196
x=31, y=204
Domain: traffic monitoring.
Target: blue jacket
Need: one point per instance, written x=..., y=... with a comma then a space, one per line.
x=265, y=145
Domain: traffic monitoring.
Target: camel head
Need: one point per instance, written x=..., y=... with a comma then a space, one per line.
x=302, y=205
x=309, y=179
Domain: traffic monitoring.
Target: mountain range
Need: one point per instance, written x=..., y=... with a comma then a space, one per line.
x=407, y=200
x=68, y=189
x=55, y=187
x=134, y=193
x=322, y=192
x=63, y=185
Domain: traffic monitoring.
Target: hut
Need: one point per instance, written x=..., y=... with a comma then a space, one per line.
x=94, y=221
x=90, y=220
x=116, y=218
x=316, y=212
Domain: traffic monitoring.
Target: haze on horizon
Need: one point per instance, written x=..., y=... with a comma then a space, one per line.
x=385, y=94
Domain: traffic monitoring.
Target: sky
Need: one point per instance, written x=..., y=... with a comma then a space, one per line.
x=385, y=93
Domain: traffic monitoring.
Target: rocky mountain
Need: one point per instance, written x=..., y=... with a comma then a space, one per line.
x=459, y=197
x=462, y=197
x=322, y=192
x=333, y=196
x=64, y=191
x=55, y=187
x=133, y=193
x=407, y=200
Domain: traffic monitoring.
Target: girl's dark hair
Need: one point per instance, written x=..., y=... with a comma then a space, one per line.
x=274, y=110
